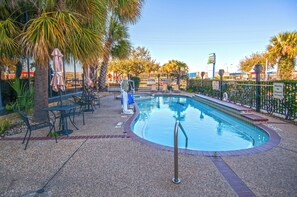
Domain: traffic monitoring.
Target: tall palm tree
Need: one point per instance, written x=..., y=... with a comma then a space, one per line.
x=121, y=13
x=59, y=25
x=74, y=26
x=116, y=45
x=282, y=50
x=128, y=11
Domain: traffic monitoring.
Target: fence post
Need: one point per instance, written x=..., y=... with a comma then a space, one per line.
x=221, y=73
x=258, y=68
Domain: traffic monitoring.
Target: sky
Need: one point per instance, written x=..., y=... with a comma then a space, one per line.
x=189, y=30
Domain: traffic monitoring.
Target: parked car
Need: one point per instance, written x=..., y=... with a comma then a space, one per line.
x=151, y=81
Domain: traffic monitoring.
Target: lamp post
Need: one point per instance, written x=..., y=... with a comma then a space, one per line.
x=258, y=69
x=158, y=82
x=221, y=73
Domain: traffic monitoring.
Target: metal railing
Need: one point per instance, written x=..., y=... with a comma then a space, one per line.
x=244, y=93
x=175, y=179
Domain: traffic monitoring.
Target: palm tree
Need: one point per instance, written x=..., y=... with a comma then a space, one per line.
x=75, y=27
x=59, y=25
x=128, y=11
x=177, y=69
x=165, y=69
x=116, y=45
x=121, y=12
x=9, y=47
x=282, y=50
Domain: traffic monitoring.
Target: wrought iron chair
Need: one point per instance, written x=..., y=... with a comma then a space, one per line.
x=31, y=127
x=80, y=109
x=88, y=99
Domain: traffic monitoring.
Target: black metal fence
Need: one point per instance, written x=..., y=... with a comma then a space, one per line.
x=244, y=93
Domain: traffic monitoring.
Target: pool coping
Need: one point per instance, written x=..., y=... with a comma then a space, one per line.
x=274, y=140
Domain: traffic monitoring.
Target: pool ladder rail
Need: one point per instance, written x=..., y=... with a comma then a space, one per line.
x=175, y=179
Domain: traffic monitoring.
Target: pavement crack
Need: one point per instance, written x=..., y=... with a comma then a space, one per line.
x=63, y=165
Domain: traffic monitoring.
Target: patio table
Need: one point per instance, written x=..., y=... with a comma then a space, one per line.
x=64, y=110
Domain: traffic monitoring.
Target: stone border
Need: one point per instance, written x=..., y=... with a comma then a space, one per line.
x=76, y=137
x=231, y=177
x=274, y=140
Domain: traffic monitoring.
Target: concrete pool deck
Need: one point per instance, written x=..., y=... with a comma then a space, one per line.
x=100, y=159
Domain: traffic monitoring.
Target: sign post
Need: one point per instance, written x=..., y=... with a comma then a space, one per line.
x=278, y=90
x=212, y=60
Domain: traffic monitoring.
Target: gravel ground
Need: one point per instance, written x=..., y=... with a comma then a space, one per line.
x=125, y=167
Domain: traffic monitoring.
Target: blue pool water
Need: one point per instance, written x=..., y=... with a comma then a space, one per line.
x=141, y=96
x=207, y=128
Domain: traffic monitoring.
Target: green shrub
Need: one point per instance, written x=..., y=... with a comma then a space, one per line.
x=4, y=125
x=24, y=100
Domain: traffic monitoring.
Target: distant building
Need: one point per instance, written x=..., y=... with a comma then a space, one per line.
x=192, y=75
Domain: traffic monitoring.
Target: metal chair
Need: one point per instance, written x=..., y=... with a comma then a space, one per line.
x=87, y=99
x=31, y=127
x=80, y=109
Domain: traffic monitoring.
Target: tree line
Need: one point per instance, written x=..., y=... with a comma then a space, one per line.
x=281, y=52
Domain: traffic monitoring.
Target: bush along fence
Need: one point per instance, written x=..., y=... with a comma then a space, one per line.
x=274, y=97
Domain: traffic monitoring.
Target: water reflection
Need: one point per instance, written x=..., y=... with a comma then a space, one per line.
x=220, y=128
x=201, y=115
x=207, y=128
x=178, y=105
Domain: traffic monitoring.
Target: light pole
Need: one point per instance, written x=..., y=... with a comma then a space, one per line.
x=212, y=59
x=258, y=69
x=221, y=73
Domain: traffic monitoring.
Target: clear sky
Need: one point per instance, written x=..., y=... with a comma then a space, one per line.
x=189, y=30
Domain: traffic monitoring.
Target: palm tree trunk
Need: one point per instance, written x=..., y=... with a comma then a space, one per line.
x=103, y=69
x=40, y=93
x=102, y=79
x=285, y=68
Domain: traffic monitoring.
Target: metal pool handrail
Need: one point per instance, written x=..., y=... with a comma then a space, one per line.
x=175, y=179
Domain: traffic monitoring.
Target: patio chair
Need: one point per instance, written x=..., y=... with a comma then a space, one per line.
x=87, y=101
x=94, y=99
x=175, y=88
x=31, y=127
x=164, y=88
x=154, y=88
x=80, y=109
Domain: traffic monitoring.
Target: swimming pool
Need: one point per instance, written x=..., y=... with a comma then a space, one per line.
x=142, y=96
x=207, y=128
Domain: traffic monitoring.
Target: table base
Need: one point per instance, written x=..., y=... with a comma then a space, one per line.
x=64, y=132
